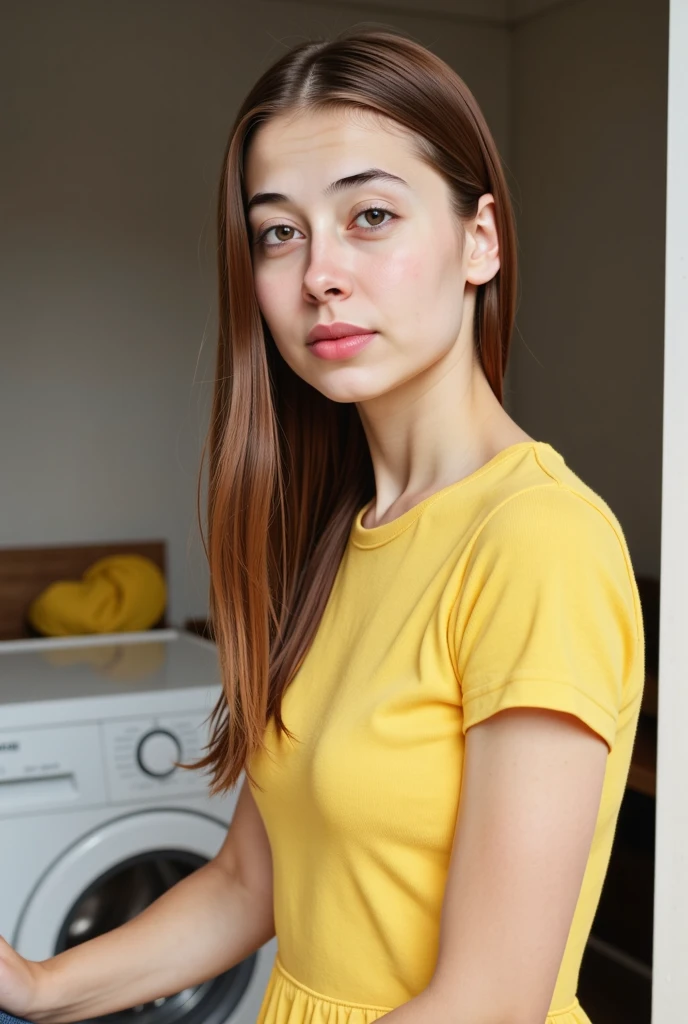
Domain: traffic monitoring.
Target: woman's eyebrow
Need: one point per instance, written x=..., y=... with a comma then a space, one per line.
x=350, y=181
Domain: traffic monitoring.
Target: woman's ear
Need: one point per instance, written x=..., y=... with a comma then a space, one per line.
x=481, y=249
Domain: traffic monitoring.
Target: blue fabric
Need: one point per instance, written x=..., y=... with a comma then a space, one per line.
x=7, y=1018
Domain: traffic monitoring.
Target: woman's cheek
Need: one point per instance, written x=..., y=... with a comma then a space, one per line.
x=264, y=292
x=275, y=301
x=399, y=273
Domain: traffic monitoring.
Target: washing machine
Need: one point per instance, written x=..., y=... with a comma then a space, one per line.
x=96, y=820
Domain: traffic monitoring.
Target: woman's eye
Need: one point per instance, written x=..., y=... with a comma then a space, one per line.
x=377, y=210
x=279, y=229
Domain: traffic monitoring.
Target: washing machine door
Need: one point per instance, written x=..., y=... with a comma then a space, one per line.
x=111, y=875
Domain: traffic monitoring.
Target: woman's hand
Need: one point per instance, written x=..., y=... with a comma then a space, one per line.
x=18, y=981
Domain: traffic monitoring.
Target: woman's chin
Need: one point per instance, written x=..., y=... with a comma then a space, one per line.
x=359, y=391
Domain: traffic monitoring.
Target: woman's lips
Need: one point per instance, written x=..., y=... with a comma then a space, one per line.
x=341, y=348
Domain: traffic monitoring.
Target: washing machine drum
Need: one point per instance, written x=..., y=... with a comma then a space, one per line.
x=112, y=874
x=118, y=897
x=112, y=901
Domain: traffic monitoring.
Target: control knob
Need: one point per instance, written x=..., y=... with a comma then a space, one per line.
x=157, y=751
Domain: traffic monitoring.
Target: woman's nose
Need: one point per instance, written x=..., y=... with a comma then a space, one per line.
x=327, y=269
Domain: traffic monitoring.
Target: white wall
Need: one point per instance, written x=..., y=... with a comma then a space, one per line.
x=588, y=151
x=111, y=145
x=670, y=948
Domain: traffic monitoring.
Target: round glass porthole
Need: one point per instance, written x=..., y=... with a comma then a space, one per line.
x=120, y=894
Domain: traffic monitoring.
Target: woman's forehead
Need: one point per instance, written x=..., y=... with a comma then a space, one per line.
x=316, y=149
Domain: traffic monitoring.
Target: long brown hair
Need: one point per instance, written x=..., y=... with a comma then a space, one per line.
x=289, y=468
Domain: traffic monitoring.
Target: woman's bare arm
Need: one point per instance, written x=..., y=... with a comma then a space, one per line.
x=529, y=804
x=202, y=926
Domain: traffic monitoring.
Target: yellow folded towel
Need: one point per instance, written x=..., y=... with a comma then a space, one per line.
x=117, y=594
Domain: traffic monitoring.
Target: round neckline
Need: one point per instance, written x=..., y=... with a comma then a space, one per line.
x=372, y=536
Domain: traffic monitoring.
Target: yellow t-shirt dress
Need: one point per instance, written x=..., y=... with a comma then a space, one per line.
x=512, y=587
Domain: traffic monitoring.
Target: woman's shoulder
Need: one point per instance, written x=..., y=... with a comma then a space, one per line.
x=527, y=491
x=547, y=521
x=540, y=493
x=527, y=504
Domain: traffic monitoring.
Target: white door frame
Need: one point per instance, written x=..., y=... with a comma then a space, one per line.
x=670, y=959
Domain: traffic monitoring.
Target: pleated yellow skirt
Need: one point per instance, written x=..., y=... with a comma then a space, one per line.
x=287, y=1001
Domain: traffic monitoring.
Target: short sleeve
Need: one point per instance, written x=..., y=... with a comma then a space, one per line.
x=546, y=614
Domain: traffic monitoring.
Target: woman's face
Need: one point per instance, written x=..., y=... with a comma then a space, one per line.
x=385, y=255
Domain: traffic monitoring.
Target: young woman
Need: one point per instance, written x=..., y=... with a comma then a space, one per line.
x=428, y=624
